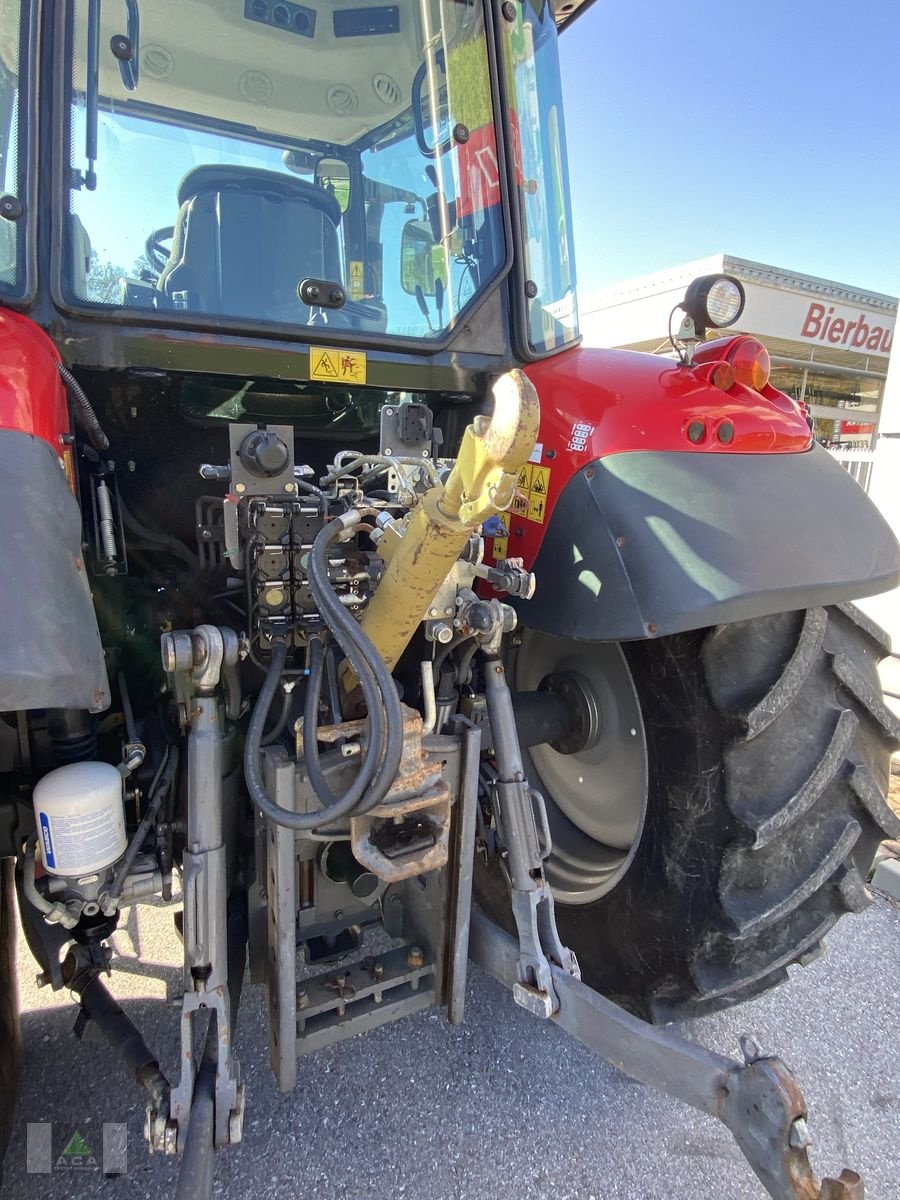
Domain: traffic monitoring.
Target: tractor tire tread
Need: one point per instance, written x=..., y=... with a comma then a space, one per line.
x=799, y=857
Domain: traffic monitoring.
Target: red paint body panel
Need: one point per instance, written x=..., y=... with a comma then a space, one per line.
x=595, y=403
x=32, y=396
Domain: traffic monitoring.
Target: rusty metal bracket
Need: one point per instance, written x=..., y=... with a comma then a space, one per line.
x=758, y=1100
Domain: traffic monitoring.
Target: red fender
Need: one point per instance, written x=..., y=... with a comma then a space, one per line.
x=596, y=403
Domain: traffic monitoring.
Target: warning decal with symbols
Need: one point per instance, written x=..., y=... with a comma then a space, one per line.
x=532, y=486
x=540, y=480
x=357, y=280
x=337, y=366
x=500, y=548
x=519, y=506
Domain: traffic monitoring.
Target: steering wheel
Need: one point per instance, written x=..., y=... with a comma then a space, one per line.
x=156, y=251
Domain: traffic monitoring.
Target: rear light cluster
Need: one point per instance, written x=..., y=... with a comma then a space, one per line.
x=740, y=359
x=751, y=362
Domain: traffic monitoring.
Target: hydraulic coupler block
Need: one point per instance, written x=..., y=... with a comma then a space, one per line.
x=421, y=549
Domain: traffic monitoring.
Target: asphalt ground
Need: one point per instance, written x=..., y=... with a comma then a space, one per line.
x=500, y=1108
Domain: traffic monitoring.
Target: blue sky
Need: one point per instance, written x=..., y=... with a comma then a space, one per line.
x=768, y=130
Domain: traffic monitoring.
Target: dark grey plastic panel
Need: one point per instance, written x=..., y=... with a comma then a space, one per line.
x=50, y=651
x=651, y=543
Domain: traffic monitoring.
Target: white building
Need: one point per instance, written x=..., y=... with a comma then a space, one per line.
x=829, y=342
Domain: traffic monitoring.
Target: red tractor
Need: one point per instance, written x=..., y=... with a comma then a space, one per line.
x=343, y=589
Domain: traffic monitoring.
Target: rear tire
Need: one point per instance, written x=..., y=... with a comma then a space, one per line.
x=768, y=761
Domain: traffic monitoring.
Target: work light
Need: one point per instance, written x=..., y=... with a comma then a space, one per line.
x=714, y=300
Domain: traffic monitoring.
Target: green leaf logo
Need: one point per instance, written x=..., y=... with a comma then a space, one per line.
x=77, y=1156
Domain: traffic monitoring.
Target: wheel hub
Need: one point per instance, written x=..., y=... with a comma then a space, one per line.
x=584, y=710
x=593, y=775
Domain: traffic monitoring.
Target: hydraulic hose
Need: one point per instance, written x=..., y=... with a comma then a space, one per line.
x=252, y=766
x=310, y=745
x=175, y=547
x=84, y=410
x=273, y=734
x=159, y=789
x=364, y=658
x=385, y=742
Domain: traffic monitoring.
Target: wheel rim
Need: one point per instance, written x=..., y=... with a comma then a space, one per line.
x=597, y=797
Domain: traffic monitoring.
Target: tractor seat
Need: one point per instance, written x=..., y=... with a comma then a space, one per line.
x=243, y=240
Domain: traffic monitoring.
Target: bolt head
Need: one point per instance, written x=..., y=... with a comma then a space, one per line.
x=240, y=487
x=415, y=957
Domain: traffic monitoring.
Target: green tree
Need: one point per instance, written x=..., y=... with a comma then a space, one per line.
x=104, y=281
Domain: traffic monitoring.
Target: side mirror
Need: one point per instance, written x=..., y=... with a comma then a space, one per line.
x=421, y=260
x=333, y=174
x=431, y=106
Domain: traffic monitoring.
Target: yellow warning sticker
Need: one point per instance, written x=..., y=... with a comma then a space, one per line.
x=357, y=280
x=537, y=506
x=534, y=481
x=337, y=366
x=540, y=481
x=500, y=548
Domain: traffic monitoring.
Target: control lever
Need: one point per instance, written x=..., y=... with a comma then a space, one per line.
x=524, y=835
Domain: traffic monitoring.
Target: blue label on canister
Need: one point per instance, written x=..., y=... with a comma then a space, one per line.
x=49, y=860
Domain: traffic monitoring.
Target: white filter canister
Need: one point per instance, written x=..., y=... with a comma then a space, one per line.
x=80, y=818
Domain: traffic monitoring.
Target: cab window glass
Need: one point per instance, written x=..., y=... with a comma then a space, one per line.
x=233, y=160
x=537, y=133
x=12, y=175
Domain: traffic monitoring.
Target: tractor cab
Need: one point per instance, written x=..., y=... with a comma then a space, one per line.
x=364, y=174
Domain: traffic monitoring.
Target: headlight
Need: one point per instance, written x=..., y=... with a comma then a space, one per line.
x=714, y=300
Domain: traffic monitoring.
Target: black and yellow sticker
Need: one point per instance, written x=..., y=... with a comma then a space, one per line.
x=357, y=279
x=523, y=483
x=332, y=365
x=534, y=484
x=501, y=545
x=540, y=481
x=530, y=500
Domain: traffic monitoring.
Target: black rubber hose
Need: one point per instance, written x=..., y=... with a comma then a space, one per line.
x=278, y=728
x=172, y=544
x=361, y=653
x=252, y=768
x=158, y=791
x=378, y=688
x=310, y=746
x=84, y=410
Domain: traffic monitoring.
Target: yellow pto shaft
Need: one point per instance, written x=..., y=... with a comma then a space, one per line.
x=422, y=549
